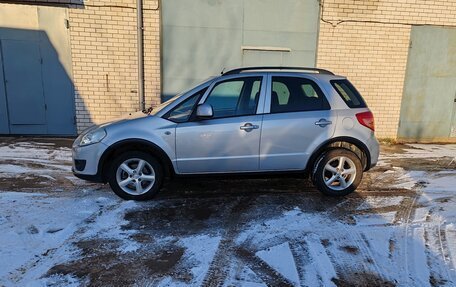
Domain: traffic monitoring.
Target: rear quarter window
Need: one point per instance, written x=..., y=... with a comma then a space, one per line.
x=349, y=94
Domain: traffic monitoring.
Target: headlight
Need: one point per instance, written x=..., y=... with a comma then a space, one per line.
x=92, y=137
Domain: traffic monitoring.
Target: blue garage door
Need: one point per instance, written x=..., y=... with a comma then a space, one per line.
x=36, y=89
x=24, y=85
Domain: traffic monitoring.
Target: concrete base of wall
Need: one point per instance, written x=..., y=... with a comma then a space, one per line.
x=427, y=140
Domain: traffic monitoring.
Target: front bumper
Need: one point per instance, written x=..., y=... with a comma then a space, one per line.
x=93, y=178
x=86, y=161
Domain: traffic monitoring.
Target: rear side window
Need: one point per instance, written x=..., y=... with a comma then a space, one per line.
x=348, y=93
x=293, y=94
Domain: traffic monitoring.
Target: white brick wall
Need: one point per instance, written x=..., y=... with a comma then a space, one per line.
x=368, y=40
x=103, y=42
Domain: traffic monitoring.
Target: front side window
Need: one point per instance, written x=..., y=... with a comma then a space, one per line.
x=182, y=112
x=237, y=97
x=293, y=94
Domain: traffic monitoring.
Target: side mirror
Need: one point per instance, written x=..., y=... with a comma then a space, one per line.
x=204, y=111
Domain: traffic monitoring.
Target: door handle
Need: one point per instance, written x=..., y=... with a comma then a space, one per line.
x=323, y=123
x=248, y=127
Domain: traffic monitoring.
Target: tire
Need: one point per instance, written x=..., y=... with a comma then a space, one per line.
x=333, y=179
x=132, y=184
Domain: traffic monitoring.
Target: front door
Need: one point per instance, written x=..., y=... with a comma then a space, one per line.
x=229, y=141
x=299, y=119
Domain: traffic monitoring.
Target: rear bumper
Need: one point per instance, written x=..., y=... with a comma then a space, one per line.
x=374, y=151
x=372, y=165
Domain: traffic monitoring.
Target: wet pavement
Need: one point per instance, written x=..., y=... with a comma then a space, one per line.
x=398, y=229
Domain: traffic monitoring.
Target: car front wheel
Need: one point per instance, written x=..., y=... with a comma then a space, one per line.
x=337, y=172
x=135, y=176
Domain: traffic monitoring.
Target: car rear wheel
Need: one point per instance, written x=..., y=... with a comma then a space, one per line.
x=337, y=172
x=135, y=176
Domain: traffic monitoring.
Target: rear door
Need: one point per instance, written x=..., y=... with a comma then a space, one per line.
x=297, y=119
x=228, y=142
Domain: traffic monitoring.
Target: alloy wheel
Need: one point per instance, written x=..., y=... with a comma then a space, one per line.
x=135, y=176
x=339, y=173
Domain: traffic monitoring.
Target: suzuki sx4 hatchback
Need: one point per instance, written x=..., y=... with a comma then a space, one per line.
x=246, y=121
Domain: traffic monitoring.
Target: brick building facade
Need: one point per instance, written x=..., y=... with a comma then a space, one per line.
x=103, y=45
x=104, y=56
x=366, y=40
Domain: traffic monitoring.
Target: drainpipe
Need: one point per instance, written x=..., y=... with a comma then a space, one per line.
x=140, y=53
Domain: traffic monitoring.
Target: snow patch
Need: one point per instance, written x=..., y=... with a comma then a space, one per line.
x=32, y=225
x=375, y=219
x=417, y=261
x=379, y=202
x=281, y=259
x=201, y=253
x=320, y=271
x=450, y=232
x=13, y=168
x=407, y=179
x=109, y=224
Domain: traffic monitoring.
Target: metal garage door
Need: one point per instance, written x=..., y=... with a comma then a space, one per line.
x=428, y=110
x=22, y=66
x=36, y=90
x=202, y=37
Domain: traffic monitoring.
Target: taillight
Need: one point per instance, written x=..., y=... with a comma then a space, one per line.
x=366, y=119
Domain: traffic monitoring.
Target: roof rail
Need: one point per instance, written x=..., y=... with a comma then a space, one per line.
x=239, y=70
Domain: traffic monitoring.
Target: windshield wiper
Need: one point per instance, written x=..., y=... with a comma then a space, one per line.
x=148, y=111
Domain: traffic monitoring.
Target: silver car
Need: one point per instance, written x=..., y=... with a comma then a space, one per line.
x=248, y=120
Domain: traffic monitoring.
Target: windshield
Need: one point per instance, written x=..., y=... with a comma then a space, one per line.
x=164, y=105
x=170, y=101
